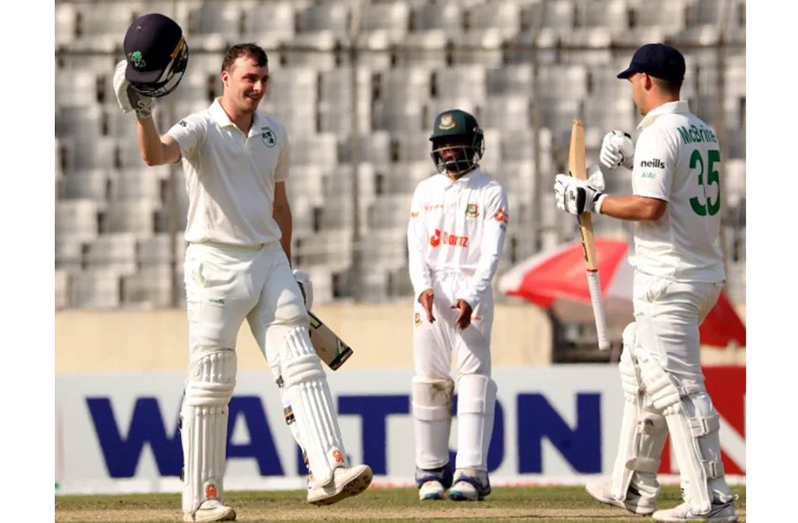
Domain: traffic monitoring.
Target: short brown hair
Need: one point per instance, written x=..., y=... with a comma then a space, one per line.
x=672, y=87
x=249, y=50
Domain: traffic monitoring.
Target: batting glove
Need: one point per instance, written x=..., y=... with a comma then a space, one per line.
x=617, y=149
x=129, y=99
x=306, y=286
x=577, y=196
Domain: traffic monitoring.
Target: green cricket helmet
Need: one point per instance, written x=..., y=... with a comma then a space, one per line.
x=460, y=127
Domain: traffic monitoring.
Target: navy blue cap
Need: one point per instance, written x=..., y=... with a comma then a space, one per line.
x=151, y=42
x=657, y=60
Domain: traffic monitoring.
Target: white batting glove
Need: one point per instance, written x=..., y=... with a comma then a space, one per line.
x=617, y=149
x=129, y=99
x=306, y=286
x=576, y=196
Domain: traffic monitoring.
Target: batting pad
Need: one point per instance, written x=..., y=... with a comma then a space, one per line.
x=432, y=420
x=667, y=399
x=476, y=401
x=308, y=395
x=203, y=427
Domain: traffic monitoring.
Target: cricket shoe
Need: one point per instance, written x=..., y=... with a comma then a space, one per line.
x=346, y=482
x=469, y=485
x=684, y=512
x=634, y=502
x=211, y=510
x=431, y=490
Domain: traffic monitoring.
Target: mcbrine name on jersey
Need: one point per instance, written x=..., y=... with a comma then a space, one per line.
x=695, y=134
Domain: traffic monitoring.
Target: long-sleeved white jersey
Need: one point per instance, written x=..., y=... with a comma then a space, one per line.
x=457, y=226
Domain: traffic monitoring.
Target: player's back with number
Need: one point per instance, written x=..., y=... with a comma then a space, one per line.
x=677, y=159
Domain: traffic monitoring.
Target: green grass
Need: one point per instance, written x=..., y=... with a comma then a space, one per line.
x=505, y=504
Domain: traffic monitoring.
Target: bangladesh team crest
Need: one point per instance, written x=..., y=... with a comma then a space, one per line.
x=472, y=210
x=447, y=122
x=268, y=136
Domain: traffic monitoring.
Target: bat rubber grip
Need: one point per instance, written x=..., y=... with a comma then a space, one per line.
x=598, y=309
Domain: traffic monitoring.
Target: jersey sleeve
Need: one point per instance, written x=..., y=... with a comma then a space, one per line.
x=654, y=165
x=417, y=236
x=189, y=133
x=493, y=233
x=283, y=162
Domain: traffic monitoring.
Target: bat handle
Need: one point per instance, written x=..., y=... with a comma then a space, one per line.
x=598, y=309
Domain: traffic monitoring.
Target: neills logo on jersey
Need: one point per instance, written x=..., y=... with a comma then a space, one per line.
x=447, y=239
x=656, y=163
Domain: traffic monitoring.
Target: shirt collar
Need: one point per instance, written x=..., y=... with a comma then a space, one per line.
x=679, y=106
x=465, y=179
x=223, y=120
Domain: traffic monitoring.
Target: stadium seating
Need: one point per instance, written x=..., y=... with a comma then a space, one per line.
x=415, y=58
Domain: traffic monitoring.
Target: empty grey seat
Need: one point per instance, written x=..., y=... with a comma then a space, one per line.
x=64, y=23
x=157, y=250
x=384, y=24
x=335, y=101
x=103, y=25
x=96, y=289
x=269, y=25
x=210, y=24
x=69, y=254
x=144, y=183
x=92, y=184
x=511, y=111
x=76, y=219
x=112, y=251
x=136, y=216
x=445, y=18
x=151, y=287
x=85, y=122
x=75, y=88
x=292, y=99
x=331, y=18
x=391, y=210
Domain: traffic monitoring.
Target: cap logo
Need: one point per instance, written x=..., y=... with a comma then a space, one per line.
x=136, y=59
x=447, y=122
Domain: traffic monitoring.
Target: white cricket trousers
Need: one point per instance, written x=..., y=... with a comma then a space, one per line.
x=668, y=314
x=434, y=344
x=226, y=284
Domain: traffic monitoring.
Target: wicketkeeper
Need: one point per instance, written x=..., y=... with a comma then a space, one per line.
x=457, y=226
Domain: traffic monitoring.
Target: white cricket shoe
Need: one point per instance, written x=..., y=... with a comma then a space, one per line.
x=462, y=491
x=346, y=482
x=718, y=512
x=211, y=510
x=469, y=485
x=431, y=490
x=634, y=502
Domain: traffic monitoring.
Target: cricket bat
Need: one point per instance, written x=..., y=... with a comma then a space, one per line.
x=331, y=349
x=578, y=169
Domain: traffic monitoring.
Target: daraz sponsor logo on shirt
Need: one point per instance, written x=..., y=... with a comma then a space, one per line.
x=447, y=239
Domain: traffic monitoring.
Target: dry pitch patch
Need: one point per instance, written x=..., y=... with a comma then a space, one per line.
x=510, y=504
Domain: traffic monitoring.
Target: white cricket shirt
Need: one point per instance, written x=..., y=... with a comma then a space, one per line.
x=677, y=159
x=457, y=226
x=230, y=176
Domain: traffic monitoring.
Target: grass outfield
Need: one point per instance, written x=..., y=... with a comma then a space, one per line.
x=510, y=504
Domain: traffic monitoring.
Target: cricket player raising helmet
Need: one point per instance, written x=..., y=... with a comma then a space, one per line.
x=237, y=267
x=678, y=275
x=457, y=226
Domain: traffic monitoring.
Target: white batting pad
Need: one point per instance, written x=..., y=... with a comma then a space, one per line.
x=476, y=401
x=308, y=395
x=432, y=420
x=204, y=427
x=666, y=398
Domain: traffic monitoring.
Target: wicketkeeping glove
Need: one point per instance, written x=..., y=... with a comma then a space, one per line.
x=577, y=196
x=129, y=99
x=617, y=149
